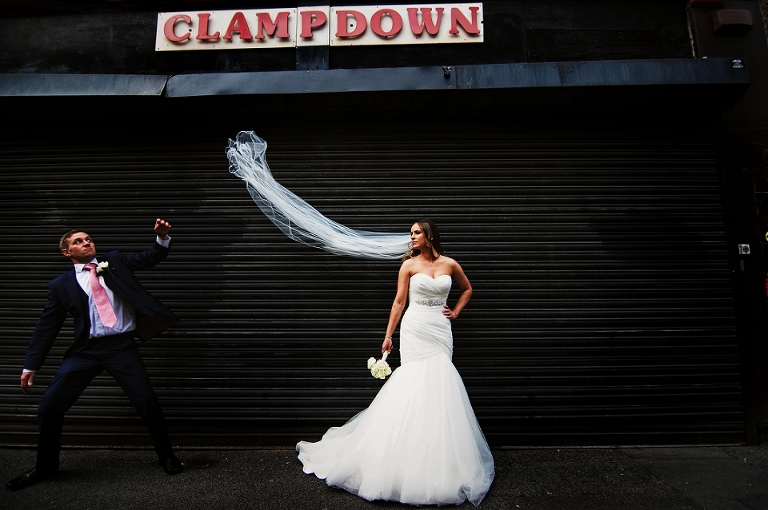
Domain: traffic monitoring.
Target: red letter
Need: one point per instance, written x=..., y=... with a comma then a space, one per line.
x=202, y=29
x=171, y=23
x=360, y=23
x=263, y=21
x=457, y=16
x=426, y=20
x=238, y=24
x=310, y=20
x=397, y=22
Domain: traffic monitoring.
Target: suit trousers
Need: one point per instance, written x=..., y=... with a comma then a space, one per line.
x=120, y=357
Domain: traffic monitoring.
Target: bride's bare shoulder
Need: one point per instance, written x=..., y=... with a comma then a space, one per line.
x=448, y=261
x=452, y=264
x=408, y=265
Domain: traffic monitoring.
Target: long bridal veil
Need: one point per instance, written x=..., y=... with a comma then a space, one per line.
x=295, y=217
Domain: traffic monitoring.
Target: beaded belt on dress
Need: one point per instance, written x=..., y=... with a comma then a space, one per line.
x=429, y=302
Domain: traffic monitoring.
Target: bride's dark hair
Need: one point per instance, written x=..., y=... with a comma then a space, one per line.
x=432, y=237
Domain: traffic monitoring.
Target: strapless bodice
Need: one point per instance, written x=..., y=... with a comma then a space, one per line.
x=428, y=291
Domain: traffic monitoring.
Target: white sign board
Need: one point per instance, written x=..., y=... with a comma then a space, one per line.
x=316, y=26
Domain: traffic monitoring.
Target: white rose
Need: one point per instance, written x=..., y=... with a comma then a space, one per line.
x=380, y=369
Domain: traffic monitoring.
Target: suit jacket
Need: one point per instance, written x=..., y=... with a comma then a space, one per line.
x=65, y=296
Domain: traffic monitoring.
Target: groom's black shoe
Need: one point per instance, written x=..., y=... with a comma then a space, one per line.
x=171, y=464
x=30, y=477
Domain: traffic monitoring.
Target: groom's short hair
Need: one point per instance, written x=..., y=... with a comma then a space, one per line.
x=64, y=241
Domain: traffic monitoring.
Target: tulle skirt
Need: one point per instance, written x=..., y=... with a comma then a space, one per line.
x=417, y=443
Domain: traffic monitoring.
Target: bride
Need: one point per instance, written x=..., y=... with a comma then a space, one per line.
x=419, y=441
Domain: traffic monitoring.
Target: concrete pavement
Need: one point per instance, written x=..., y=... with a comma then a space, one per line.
x=677, y=478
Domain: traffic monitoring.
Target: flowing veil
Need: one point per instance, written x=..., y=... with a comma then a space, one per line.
x=295, y=217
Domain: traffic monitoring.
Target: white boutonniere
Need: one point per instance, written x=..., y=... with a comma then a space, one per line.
x=379, y=369
x=102, y=266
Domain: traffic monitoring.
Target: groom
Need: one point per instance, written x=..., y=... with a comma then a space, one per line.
x=109, y=308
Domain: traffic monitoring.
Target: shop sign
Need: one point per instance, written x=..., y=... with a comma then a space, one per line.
x=317, y=26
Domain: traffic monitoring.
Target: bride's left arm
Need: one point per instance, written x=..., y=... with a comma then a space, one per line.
x=462, y=282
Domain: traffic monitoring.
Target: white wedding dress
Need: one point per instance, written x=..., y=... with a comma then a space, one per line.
x=419, y=441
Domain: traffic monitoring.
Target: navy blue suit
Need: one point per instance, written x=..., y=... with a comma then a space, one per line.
x=86, y=357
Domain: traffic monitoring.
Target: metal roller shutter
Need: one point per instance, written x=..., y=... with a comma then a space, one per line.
x=602, y=311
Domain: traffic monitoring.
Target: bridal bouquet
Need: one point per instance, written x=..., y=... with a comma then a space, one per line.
x=379, y=369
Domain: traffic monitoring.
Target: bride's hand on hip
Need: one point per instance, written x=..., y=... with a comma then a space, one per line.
x=449, y=314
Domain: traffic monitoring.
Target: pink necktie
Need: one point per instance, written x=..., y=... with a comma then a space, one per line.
x=103, y=306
